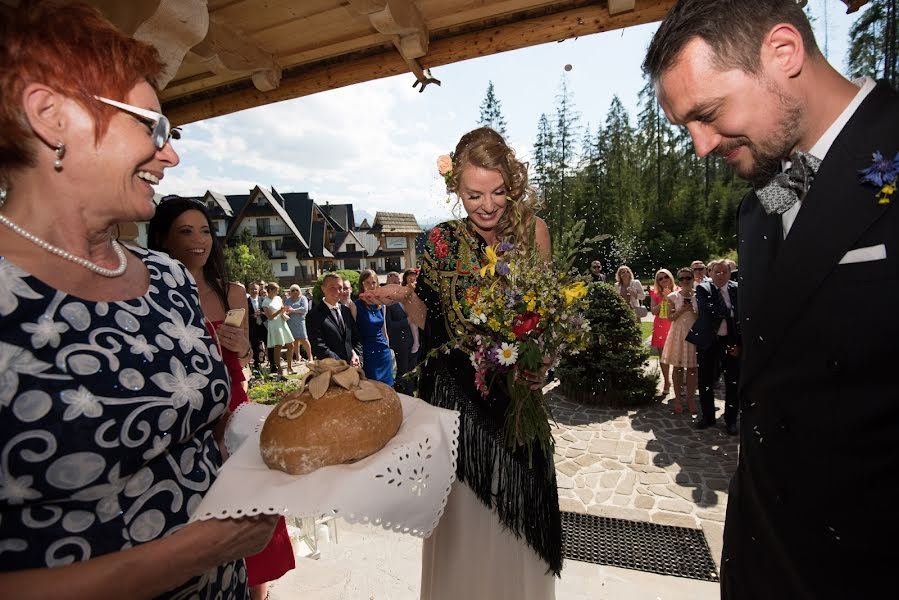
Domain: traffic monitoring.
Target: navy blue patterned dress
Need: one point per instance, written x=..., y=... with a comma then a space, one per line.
x=106, y=418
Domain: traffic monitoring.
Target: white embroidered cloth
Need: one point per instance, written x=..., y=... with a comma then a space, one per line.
x=403, y=487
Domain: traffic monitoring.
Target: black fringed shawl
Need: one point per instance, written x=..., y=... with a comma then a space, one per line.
x=523, y=492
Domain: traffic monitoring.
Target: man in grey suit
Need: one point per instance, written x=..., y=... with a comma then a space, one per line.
x=818, y=248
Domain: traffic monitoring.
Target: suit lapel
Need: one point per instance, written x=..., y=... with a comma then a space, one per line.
x=834, y=215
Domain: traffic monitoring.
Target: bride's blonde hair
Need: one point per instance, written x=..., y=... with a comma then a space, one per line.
x=485, y=148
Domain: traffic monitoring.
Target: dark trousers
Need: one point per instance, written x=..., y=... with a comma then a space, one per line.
x=405, y=362
x=713, y=362
x=257, y=341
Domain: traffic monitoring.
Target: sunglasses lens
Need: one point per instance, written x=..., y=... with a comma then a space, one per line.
x=162, y=132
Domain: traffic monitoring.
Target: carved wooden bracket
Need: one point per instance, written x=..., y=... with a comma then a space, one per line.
x=402, y=20
x=224, y=50
x=620, y=6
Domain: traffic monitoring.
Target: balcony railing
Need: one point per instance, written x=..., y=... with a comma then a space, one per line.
x=272, y=230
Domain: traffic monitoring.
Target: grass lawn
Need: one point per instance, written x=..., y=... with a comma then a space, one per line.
x=645, y=330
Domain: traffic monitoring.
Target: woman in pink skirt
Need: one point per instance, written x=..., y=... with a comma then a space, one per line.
x=661, y=324
x=678, y=352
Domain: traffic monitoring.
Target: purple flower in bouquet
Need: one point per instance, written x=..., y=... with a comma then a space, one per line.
x=502, y=267
x=504, y=247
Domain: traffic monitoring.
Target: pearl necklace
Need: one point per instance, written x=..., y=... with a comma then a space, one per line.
x=116, y=247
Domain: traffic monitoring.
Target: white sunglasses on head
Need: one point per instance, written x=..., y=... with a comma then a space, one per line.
x=161, y=129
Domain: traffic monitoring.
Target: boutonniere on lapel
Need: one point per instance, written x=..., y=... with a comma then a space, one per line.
x=883, y=174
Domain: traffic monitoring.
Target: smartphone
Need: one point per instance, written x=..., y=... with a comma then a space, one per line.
x=235, y=317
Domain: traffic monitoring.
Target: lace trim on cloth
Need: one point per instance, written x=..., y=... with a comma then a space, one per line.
x=524, y=496
x=402, y=488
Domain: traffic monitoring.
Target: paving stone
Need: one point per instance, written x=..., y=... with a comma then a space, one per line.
x=644, y=501
x=641, y=457
x=571, y=505
x=620, y=512
x=710, y=516
x=579, y=445
x=611, y=465
x=626, y=485
x=611, y=447
x=592, y=480
x=666, y=518
x=717, y=484
x=621, y=500
x=611, y=435
x=602, y=496
x=654, y=478
x=568, y=437
x=585, y=495
x=687, y=493
x=661, y=490
x=568, y=468
x=564, y=482
x=625, y=460
x=572, y=453
x=567, y=493
x=647, y=469
x=609, y=479
x=678, y=506
x=584, y=435
x=586, y=460
x=643, y=490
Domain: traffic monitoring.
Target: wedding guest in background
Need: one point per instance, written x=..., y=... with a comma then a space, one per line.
x=661, y=324
x=393, y=278
x=596, y=272
x=182, y=228
x=716, y=335
x=404, y=337
x=500, y=535
x=256, y=321
x=331, y=327
x=346, y=295
x=110, y=382
x=700, y=272
x=279, y=335
x=297, y=307
x=817, y=236
x=631, y=290
x=371, y=320
x=678, y=352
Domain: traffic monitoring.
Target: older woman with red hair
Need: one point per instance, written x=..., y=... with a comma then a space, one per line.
x=111, y=389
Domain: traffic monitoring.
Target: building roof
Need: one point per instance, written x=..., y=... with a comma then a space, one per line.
x=391, y=222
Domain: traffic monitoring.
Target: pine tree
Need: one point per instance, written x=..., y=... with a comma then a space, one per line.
x=492, y=112
x=874, y=42
x=564, y=156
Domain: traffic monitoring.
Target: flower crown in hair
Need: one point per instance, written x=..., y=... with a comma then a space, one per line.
x=445, y=166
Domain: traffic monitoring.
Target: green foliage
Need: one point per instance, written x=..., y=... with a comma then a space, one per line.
x=874, y=42
x=611, y=370
x=246, y=261
x=271, y=391
x=353, y=276
x=492, y=112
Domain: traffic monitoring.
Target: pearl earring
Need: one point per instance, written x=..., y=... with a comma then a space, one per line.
x=60, y=152
x=2, y=196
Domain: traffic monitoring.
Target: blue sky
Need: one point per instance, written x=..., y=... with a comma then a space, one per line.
x=375, y=144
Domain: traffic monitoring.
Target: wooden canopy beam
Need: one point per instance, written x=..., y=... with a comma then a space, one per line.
x=305, y=80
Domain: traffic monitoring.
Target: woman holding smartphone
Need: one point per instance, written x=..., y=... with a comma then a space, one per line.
x=182, y=228
x=678, y=352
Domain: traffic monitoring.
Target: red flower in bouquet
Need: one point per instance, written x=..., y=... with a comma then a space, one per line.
x=522, y=324
x=441, y=248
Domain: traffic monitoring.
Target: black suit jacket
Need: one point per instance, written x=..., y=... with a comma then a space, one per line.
x=326, y=337
x=398, y=329
x=816, y=487
x=711, y=311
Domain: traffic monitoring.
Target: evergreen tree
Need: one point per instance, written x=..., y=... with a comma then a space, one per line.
x=874, y=42
x=564, y=156
x=492, y=112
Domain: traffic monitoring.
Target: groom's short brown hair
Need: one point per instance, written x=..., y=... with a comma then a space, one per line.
x=734, y=29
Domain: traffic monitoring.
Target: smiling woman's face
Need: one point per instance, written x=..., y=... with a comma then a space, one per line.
x=483, y=194
x=189, y=239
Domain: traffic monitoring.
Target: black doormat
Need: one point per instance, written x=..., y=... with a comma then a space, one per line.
x=663, y=549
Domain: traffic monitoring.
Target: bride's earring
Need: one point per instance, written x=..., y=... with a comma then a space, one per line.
x=60, y=152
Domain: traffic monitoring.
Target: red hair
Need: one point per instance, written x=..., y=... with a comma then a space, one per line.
x=76, y=51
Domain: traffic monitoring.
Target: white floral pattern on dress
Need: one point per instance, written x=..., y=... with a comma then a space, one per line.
x=106, y=418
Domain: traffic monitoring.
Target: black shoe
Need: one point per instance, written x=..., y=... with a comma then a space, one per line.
x=704, y=424
x=731, y=429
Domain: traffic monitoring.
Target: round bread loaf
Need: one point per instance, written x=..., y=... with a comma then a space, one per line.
x=302, y=433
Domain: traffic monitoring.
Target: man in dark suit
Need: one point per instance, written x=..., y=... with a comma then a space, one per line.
x=716, y=335
x=330, y=325
x=256, y=323
x=817, y=248
x=404, y=336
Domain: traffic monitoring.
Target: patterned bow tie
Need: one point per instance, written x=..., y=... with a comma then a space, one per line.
x=787, y=188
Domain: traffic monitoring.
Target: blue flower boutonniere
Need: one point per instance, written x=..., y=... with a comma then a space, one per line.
x=883, y=174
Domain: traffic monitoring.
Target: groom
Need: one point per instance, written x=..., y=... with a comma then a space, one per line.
x=812, y=506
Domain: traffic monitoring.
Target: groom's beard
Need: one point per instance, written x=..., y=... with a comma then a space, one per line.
x=769, y=153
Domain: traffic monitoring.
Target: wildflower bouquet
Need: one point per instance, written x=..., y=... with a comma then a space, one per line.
x=523, y=313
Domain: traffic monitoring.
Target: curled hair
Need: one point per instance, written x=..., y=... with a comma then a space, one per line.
x=485, y=148
x=623, y=269
x=76, y=51
x=160, y=227
x=734, y=29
